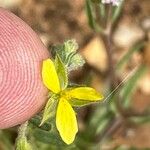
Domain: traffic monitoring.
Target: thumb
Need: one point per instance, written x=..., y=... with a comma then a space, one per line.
x=22, y=93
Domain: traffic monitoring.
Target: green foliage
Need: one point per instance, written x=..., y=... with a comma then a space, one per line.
x=128, y=55
x=68, y=54
x=130, y=85
x=48, y=137
x=140, y=120
x=90, y=15
x=62, y=72
x=49, y=111
x=116, y=12
x=22, y=144
x=102, y=10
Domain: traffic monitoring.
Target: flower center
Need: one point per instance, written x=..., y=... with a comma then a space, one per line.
x=65, y=94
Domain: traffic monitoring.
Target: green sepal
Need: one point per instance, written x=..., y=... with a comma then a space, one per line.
x=50, y=108
x=61, y=71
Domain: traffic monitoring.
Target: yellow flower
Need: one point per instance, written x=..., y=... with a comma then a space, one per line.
x=55, y=79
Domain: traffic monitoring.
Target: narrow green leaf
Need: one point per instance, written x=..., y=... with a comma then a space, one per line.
x=62, y=72
x=99, y=113
x=102, y=125
x=128, y=55
x=99, y=120
x=102, y=10
x=117, y=11
x=49, y=110
x=130, y=86
x=140, y=120
x=90, y=16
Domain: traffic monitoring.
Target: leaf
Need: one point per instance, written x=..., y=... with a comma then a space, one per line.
x=66, y=121
x=47, y=137
x=22, y=144
x=84, y=93
x=59, y=49
x=102, y=10
x=117, y=11
x=62, y=72
x=75, y=62
x=90, y=16
x=73, y=59
x=102, y=125
x=50, y=77
x=68, y=54
x=70, y=46
x=99, y=120
x=140, y=119
x=66, y=50
x=49, y=110
x=128, y=55
x=130, y=86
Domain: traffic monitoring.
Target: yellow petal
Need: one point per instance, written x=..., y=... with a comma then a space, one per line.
x=85, y=93
x=66, y=121
x=50, y=77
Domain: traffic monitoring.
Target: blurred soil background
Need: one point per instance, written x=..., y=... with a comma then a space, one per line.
x=58, y=20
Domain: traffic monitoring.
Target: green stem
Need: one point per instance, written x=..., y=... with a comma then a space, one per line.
x=23, y=130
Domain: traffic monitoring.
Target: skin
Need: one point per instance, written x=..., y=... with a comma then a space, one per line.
x=22, y=93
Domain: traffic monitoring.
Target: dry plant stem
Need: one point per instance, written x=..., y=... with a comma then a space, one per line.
x=107, y=38
x=116, y=122
x=111, y=72
x=124, y=114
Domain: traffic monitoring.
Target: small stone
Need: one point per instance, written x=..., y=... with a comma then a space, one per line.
x=146, y=23
x=9, y=3
x=95, y=54
x=127, y=34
